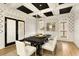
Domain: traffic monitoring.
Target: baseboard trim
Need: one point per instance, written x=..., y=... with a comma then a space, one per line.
x=68, y=42
x=9, y=44
x=75, y=45
x=65, y=40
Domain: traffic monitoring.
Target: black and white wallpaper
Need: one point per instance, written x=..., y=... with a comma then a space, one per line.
x=1, y=21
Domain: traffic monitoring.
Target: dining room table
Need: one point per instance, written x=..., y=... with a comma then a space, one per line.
x=38, y=41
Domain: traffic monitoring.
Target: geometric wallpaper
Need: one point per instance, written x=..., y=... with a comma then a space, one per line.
x=69, y=26
x=71, y=23
x=1, y=21
x=7, y=12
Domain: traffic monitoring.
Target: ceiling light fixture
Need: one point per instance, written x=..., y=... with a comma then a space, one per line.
x=40, y=5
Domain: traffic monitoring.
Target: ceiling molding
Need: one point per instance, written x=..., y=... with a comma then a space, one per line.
x=54, y=7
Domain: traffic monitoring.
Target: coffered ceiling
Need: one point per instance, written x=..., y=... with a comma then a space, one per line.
x=41, y=10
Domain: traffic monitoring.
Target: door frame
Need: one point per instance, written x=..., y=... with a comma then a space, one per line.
x=16, y=20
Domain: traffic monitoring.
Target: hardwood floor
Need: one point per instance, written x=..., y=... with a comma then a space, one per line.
x=67, y=49
x=8, y=51
x=63, y=49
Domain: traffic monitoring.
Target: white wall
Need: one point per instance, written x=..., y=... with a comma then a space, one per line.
x=30, y=26
x=75, y=13
x=7, y=12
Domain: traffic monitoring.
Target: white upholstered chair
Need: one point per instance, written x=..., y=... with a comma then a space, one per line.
x=50, y=45
x=23, y=50
x=27, y=43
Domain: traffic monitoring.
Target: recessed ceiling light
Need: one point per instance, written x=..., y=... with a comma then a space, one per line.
x=40, y=5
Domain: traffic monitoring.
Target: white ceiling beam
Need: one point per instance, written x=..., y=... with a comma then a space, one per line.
x=33, y=8
x=53, y=6
x=42, y=11
x=42, y=15
x=56, y=12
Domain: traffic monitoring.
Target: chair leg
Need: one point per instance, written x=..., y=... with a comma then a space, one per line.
x=35, y=53
x=18, y=55
x=53, y=53
x=42, y=51
x=55, y=49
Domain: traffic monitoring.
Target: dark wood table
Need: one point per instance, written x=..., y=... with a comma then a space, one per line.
x=37, y=42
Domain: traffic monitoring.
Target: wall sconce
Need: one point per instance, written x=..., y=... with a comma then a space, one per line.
x=50, y=26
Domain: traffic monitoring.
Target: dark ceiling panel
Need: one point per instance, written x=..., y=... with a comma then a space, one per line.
x=24, y=9
x=41, y=6
x=61, y=3
x=48, y=14
x=65, y=10
x=36, y=16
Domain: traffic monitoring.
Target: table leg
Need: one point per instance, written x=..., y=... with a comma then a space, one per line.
x=39, y=50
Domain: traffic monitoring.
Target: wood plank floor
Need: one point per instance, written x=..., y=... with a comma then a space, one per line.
x=67, y=49
x=63, y=49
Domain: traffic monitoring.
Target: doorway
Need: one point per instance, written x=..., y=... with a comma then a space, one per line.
x=14, y=30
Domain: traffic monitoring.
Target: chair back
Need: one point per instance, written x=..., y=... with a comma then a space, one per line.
x=54, y=39
x=20, y=47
